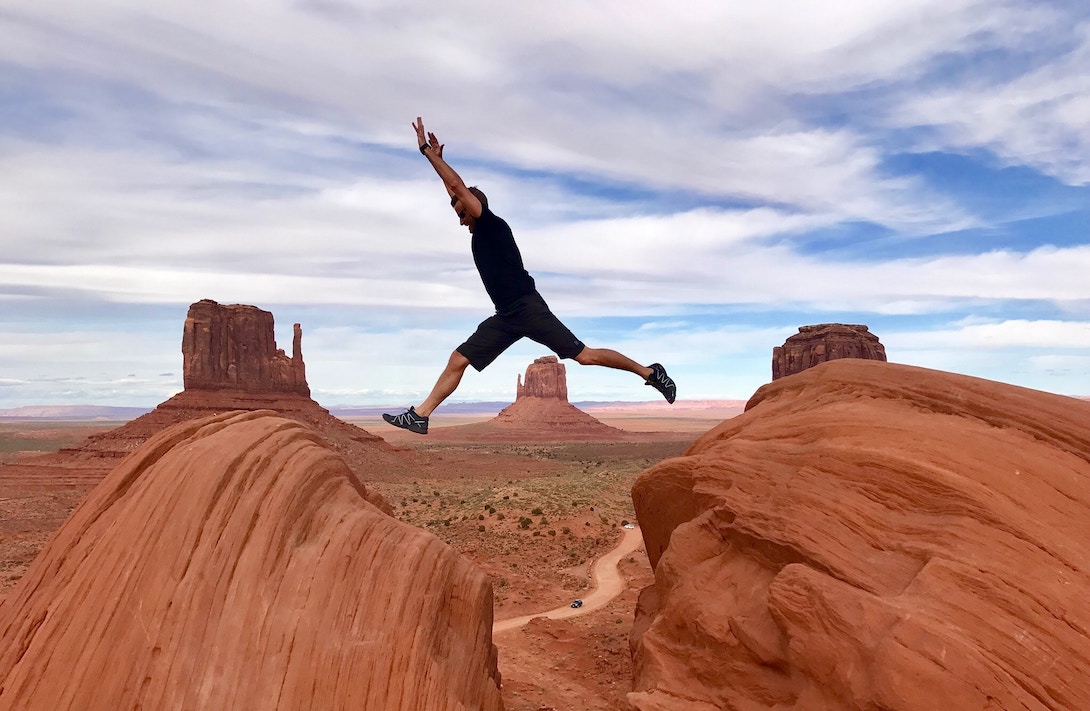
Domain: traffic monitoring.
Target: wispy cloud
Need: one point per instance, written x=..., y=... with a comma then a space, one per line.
x=686, y=183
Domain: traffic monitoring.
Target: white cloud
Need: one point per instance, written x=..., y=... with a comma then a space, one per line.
x=1011, y=333
x=657, y=162
x=1037, y=118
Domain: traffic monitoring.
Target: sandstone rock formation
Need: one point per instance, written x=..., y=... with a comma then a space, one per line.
x=871, y=536
x=235, y=562
x=828, y=341
x=230, y=362
x=545, y=378
x=234, y=347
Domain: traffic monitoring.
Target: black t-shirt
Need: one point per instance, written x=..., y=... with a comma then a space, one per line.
x=499, y=262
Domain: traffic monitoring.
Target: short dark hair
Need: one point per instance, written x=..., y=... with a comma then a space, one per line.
x=480, y=195
x=477, y=192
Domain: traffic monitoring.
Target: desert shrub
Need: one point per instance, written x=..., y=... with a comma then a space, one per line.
x=536, y=511
x=500, y=517
x=480, y=528
x=480, y=517
x=566, y=531
x=552, y=532
x=524, y=522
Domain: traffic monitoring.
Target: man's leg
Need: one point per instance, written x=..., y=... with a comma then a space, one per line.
x=611, y=359
x=653, y=375
x=416, y=420
x=542, y=325
x=445, y=385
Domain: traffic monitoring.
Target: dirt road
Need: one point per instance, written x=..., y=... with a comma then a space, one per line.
x=608, y=584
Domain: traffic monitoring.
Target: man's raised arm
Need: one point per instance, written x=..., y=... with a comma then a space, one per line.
x=456, y=187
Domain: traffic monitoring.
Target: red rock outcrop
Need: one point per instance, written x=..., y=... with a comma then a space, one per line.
x=230, y=362
x=871, y=536
x=235, y=562
x=545, y=378
x=813, y=345
x=234, y=348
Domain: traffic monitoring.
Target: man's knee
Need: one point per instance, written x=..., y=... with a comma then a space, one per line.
x=457, y=362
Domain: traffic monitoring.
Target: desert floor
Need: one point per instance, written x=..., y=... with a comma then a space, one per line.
x=535, y=527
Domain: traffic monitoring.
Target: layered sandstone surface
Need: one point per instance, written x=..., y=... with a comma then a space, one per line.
x=814, y=345
x=871, y=536
x=235, y=562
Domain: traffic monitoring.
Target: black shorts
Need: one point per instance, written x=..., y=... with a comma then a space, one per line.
x=528, y=317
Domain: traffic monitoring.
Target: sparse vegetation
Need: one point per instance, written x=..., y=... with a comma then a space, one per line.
x=554, y=500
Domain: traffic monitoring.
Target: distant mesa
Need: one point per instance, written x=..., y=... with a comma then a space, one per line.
x=824, y=342
x=871, y=536
x=236, y=562
x=234, y=348
x=546, y=378
x=230, y=362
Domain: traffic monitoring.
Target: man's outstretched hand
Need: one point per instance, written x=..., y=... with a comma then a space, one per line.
x=418, y=126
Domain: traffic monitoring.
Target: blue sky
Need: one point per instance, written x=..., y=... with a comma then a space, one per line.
x=688, y=184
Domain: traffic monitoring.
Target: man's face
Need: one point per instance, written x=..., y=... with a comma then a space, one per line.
x=464, y=218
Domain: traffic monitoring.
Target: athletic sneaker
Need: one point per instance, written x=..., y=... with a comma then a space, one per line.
x=408, y=420
x=662, y=382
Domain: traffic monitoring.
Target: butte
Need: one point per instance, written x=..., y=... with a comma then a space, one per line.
x=229, y=362
x=814, y=345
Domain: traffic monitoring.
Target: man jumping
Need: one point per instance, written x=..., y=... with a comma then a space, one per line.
x=520, y=310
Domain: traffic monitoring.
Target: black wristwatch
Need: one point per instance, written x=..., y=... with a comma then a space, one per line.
x=424, y=147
